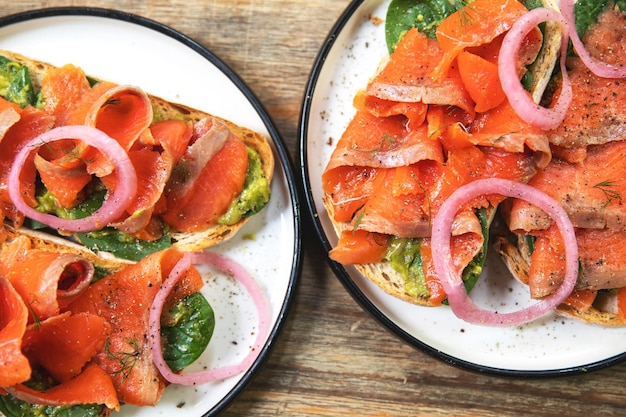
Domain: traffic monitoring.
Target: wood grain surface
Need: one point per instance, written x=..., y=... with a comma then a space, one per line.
x=332, y=358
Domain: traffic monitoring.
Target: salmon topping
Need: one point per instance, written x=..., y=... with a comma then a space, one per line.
x=172, y=158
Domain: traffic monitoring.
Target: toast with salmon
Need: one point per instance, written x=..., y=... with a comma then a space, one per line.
x=586, y=178
x=196, y=178
x=419, y=132
x=403, y=155
x=80, y=325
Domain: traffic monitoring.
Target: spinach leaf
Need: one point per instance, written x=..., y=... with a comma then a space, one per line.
x=12, y=407
x=425, y=15
x=15, y=83
x=587, y=12
x=187, y=329
x=108, y=239
x=122, y=245
x=40, y=380
x=532, y=4
x=472, y=271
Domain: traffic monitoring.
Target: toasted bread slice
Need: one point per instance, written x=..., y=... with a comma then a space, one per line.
x=166, y=110
x=50, y=243
x=382, y=273
x=517, y=258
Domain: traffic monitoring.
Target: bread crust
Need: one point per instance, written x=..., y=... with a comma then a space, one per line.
x=47, y=242
x=382, y=273
x=186, y=241
x=517, y=258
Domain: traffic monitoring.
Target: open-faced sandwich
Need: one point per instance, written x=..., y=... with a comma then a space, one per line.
x=83, y=334
x=121, y=170
x=476, y=101
x=109, y=197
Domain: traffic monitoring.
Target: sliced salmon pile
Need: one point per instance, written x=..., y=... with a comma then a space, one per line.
x=422, y=128
x=586, y=176
x=93, y=344
x=171, y=157
x=435, y=117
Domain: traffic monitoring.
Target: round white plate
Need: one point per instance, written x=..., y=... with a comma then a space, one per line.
x=129, y=49
x=550, y=346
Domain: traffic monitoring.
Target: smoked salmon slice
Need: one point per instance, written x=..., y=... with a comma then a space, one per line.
x=383, y=142
x=501, y=127
x=92, y=386
x=14, y=366
x=64, y=344
x=123, y=299
x=349, y=188
x=597, y=114
x=61, y=89
x=591, y=192
x=597, y=111
x=47, y=281
x=407, y=76
x=210, y=175
x=475, y=24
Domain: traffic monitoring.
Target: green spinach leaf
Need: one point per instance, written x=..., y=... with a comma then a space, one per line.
x=108, y=239
x=40, y=380
x=425, y=15
x=187, y=329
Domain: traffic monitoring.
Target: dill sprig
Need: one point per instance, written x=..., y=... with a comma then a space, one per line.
x=126, y=360
x=467, y=14
x=357, y=220
x=386, y=140
x=609, y=193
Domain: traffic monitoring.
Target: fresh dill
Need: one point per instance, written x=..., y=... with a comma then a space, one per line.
x=181, y=172
x=36, y=318
x=609, y=193
x=68, y=154
x=357, y=220
x=467, y=14
x=126, y=360
x=387, y=140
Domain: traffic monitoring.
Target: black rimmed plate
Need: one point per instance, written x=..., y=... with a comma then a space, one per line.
x=129, y=49
x=547, y=347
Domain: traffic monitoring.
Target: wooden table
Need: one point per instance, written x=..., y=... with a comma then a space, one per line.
x=332, y=357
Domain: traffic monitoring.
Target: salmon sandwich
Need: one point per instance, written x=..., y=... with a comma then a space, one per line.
x=121, y=170
x=483, y=109
x=109, y=197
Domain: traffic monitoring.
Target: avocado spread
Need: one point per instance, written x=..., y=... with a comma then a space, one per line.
x=15, y=83
x=255, y=194
x=405, y=257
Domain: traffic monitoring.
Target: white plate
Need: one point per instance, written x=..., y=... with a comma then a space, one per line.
x=132, y=50
x=549, y=346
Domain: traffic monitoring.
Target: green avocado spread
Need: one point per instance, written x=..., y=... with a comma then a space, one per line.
x=15, y=83
x=405, y=257
x=255, y=194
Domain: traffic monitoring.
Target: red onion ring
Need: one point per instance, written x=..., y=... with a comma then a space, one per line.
x=460, y=302
x=520, y=100
x=116, y=202
x=227, y=266
x=601, y=69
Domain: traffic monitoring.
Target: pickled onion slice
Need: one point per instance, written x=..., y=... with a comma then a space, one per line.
x=115, y=202
x=226, y=266
x=601, y=69
x=458, y=299
x=519, y=98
